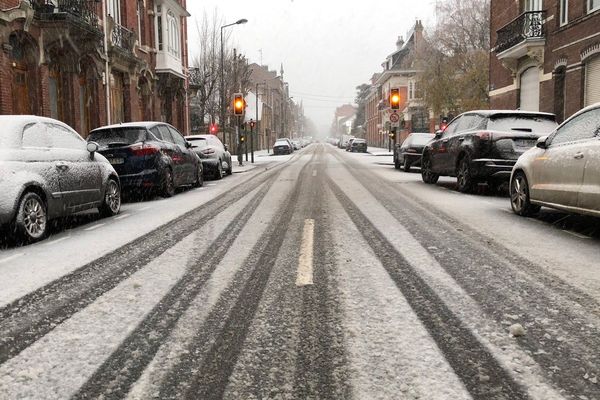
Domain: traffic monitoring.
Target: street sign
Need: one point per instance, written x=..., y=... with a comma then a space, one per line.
x=394, y=117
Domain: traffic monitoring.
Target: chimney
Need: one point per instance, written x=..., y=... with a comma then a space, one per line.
x=399, y=43
x=418, y=34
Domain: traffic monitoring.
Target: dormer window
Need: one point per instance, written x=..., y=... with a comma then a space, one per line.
x=173, y=34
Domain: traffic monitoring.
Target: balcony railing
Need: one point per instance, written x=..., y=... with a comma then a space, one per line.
x=529, y=25
x=83, y=10
x=122, y=37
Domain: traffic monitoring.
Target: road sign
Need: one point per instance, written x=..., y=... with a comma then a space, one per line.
x=394, y=117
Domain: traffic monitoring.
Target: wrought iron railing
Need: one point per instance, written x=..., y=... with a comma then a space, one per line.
x=529, y=25
x=83, y=10
x=122, y=37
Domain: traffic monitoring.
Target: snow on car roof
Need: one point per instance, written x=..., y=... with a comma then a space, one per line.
x=139, y=124
x=490, y=113
x=12, y=127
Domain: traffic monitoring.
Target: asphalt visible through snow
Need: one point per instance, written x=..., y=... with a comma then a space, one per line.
x=325, y=275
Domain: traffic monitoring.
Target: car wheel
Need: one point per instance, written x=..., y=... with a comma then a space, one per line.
x=406, y=166
x=168, y=185
x=427, y=173
x=519, y=196
x=464, y=179
x=112, y=199
x=219, y=173
x=32, y=218
x=199, y=177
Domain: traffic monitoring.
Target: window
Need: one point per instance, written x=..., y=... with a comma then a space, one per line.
x=140, y=21
x=165, y=134
x=172, y=34
x=411, y=90
x=114, y=10
x=452, y=127
x=592, y=81
x=63, y=138
x=593, y=5
x=533, y=5
x=159, y=27
x=36, y=136
x=177, y=136
x=564, y=12
x=583, y=127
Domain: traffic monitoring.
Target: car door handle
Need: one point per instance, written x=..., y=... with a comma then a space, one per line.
x=461, y=139
x=62, y=167
x=578, y=156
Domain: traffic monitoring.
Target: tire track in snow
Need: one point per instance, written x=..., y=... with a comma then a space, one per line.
x=467, y=356
x=203, y=373
x=560, y=333
x=27, y=319
x=122, y=369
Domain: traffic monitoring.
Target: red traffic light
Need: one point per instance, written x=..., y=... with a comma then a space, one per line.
x=214, y=129
x=252, y=124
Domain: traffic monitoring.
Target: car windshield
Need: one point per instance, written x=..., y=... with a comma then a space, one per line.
x=118, y=136
x=513, y=123
x=300, y=200
x=420, y=139
x=197, y=142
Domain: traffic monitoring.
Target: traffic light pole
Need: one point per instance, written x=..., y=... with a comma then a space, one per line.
x=252, y=142
x=239, y=145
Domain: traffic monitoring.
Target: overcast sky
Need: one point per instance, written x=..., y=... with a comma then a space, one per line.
x=327, y=47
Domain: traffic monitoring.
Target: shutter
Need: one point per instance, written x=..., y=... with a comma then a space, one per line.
x=592, y=81
x=530, y=90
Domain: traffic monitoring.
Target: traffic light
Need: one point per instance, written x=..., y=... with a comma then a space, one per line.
x=238, y=104
x=252, y=124
x=395, y=99
x=214, y=129
x=242, y=138
x=392, y=135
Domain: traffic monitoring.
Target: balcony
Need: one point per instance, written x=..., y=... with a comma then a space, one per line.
x=79, y=12
x=122, y=38
x=522, y=36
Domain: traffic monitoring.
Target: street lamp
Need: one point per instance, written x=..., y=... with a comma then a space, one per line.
x=222, y=118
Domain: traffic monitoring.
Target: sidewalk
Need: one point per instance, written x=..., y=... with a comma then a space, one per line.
x=378, y=151
x=261, y=157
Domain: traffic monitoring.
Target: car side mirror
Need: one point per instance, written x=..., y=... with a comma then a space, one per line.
x=438, y=134
x=542, y=142
x=225, y=147
x=92, y=147
x=188, y=145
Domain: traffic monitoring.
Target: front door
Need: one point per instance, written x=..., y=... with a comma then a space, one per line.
x=20, y=92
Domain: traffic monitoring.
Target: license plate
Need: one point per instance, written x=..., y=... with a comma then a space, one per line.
x=116, y=161
x=524, y=143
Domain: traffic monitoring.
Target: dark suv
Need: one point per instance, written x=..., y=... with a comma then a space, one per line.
x=149, y=156
x=483, y=146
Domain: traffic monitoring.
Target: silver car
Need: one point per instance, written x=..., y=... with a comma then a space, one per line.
x=47, y=171
x=563, y=170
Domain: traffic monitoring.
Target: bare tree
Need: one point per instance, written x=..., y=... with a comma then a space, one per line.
x=456, y=57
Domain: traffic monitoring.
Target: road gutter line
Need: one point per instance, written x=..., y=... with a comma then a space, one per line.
x=9, y=258
x=91, y=228
x=305, y=261
x=122, y=216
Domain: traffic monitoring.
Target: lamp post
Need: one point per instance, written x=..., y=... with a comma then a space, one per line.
x=222, y=117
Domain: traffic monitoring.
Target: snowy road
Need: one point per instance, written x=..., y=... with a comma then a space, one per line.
x=324, y=275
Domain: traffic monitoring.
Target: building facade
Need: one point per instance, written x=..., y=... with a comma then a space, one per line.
x=400, y=71
x=89, y=63
x=546, y=55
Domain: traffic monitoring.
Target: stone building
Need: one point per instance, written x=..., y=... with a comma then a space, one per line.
x=89, y=63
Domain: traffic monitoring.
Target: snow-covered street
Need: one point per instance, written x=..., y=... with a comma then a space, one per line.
x=322, y=275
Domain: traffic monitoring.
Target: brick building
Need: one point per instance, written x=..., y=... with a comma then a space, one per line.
x=90, y=63
x=546, y=55
x=399, y=71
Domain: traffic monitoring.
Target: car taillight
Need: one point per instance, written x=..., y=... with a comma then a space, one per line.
x=144, y=150
x=484, y=135
x=208, y=151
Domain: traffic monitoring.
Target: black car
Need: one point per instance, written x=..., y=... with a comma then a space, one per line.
x=483, y=146
x=283, y=146
x=358, y=146
x=150, y=157
x=215, y=157
x=409, y=153
x=48, y=171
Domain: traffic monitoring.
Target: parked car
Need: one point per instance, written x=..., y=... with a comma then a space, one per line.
x=48, y=171
x=215, y=156
x=149, y=156
x=359, y=146
x=483, y=146
x=296, y=144
x=283, y=146
x=408, y=153
x=349, y=144
x=563, y=170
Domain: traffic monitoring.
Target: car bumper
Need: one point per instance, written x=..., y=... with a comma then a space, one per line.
x=493, y=168
x=282, y=151
x=149, y=178
x=412, y=158
x=210, y=164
